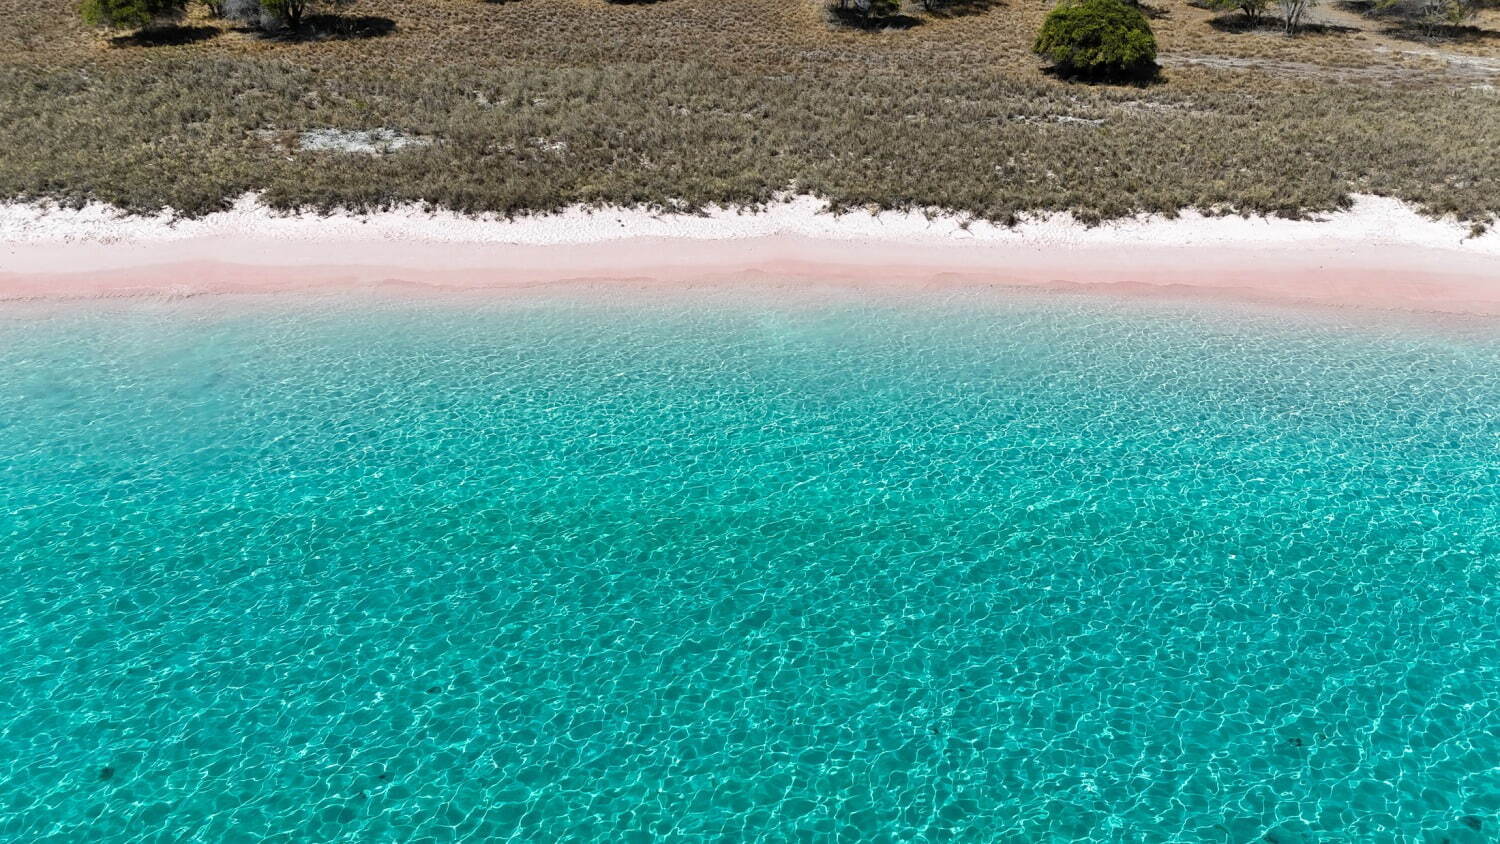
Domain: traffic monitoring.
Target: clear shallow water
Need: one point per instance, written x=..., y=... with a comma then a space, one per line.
x=1014, y=569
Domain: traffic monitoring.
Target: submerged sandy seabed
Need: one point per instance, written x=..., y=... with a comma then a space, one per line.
x=1379, y=254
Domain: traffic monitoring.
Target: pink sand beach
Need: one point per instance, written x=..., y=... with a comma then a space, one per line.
x=1379, y=255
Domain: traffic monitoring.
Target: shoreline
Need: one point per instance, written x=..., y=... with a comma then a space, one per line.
x=1380, y=254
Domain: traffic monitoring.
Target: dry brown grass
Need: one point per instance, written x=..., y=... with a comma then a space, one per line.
x=537, y=104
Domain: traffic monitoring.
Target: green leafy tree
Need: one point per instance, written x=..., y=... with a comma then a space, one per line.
x=1098, y=38
x=130, y=14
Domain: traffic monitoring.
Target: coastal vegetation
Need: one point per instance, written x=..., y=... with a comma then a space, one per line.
x=533, y=105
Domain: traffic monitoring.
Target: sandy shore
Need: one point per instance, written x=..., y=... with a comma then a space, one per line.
x=1380, y=254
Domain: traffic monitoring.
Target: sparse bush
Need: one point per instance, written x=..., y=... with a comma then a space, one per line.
x=1253, y=10
x=130, y=14
x=1098, y=38
x=291, y=14
x=870, y=8
x=243, y=11
x=1439, y=14
x=1434, y=16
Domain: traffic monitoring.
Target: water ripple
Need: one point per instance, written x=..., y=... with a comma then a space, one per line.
x=1029, y=569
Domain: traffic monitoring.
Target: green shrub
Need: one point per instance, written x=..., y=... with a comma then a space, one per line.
x=130, y=14
x=1098, y=38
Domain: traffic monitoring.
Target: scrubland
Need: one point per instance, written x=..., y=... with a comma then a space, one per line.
x=532, y=105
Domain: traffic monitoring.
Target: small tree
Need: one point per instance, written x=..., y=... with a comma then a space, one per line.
x=1253, y=10
x=287, y=12
x=1098, y=38
x=130, y=14
x=291, y=14
x=1292, y=13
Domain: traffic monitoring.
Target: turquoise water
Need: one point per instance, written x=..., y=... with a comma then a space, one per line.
x=977, y=568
